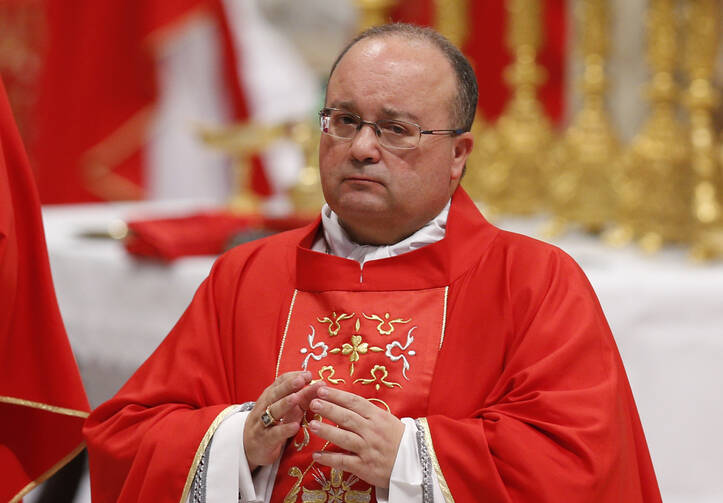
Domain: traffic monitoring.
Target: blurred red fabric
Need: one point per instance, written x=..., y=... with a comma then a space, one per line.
x=207, y=233
x=42, y=401
x=98, y=89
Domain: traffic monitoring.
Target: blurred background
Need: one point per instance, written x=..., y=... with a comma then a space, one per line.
x=162, y=132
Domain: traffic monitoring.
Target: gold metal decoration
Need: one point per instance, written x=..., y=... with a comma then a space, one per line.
x=307, y=195
x=655, y=189
x=506, y=169
x=580, y=166
x=242, y=141
x=374, y=12
x=701, y=99
x=334, y=322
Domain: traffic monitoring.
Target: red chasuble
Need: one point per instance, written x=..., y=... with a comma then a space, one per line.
x=494, y=340
x=42, y=402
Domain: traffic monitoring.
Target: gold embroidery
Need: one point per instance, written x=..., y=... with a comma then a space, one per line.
x=44, y=406
x=381, y=379
x=333, y=322
x=444, y=317
x=331, y=379
x=381, y=402
x=335, y=490
x=385, y=320
x=286, y=330
x=294, y=471
x=356, y=348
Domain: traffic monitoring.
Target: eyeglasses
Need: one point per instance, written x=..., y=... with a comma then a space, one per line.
x=390, y=133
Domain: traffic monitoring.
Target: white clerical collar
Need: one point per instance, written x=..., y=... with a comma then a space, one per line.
x=336, y=241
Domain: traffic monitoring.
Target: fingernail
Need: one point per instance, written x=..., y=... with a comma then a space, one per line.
x=306, y=376
x=316, y=455
x=315, y=405
x=322, y=392
x=314, y=425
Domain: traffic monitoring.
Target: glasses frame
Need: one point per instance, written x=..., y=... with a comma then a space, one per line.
x=326, y=112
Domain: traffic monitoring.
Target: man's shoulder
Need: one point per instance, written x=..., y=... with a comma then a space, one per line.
x=273, y=252
x=525, y=254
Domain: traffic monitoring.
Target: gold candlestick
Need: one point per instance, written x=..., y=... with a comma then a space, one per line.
x=509, y=169
x=655, y=189
x=701, y=100
x=580, y=166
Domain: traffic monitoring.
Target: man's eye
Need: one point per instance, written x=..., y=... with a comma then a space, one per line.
x=346, y=119
x=395, y=128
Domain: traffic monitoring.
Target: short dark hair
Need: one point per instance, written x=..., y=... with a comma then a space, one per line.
x=465, y=103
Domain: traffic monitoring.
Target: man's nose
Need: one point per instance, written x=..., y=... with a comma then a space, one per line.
x=365, y=144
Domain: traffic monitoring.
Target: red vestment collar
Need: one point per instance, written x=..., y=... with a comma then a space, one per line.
x=468, y=237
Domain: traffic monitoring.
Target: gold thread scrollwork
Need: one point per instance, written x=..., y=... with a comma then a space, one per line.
x=330, y=378
x=385, y=321
x=375, y=378
x=305, y=429
x=334, y=322
x=377, y=400
x=296, y=472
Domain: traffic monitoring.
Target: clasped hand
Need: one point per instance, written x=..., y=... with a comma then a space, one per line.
x=369, y=435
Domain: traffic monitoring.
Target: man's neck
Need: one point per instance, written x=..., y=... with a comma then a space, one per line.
x=337, y=241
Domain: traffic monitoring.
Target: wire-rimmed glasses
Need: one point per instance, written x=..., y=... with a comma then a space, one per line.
x=391, y=133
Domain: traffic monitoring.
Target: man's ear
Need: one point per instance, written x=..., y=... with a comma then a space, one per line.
x=461, y=148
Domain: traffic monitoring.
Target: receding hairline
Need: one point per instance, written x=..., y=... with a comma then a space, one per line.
x=464, y=100
x=411, y=42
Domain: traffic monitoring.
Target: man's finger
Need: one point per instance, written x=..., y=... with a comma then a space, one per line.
x=338, y=460
x=284, y=385
x=345, y=418
x=348, y=401
x=347, y=440
x=279, y=433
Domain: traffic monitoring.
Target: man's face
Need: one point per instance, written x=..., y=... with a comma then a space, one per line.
x=383, y=194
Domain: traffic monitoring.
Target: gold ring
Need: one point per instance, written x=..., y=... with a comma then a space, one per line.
x=267, y=419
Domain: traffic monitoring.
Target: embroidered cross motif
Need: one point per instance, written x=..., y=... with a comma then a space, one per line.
x=335, y=490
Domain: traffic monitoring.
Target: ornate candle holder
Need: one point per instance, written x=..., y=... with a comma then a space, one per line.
x=509, y=161
x=580, y=166
x=701, y=99
x=655, y=187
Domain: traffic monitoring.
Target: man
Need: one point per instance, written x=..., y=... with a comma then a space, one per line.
x=400, y=349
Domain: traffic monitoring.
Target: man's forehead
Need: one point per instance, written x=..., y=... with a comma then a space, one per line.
x=400, y=66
